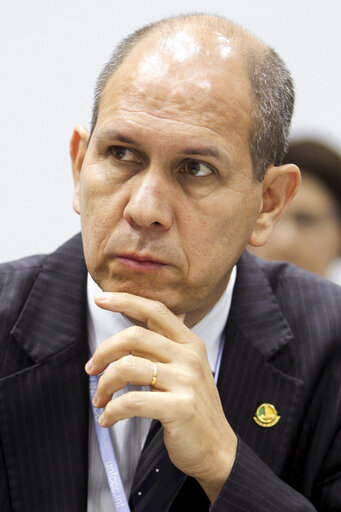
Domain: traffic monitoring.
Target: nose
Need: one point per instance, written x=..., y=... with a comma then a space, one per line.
x=149, y=203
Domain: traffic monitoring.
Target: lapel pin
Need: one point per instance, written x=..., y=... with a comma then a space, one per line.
x=266, y=415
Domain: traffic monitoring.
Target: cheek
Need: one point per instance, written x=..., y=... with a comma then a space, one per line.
x=217, y=239
x=100, y=210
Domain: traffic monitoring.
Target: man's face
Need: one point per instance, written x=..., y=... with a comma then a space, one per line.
x=166, y=192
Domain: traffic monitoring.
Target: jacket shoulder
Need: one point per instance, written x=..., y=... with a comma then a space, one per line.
x=308, y=303
x=16, y=281
x=28, y=264
x=294, y=284
x=311, y=306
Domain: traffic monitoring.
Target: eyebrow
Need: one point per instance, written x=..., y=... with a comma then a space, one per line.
x=203, y=151
x=191, y=150
x=113, y=134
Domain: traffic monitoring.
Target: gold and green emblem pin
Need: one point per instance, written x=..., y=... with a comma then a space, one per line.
x=266, y=415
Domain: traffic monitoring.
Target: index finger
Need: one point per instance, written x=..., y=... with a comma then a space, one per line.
x=155, y=315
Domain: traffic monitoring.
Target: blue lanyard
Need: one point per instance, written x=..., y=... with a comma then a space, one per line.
x=218, y=360
x=106, y=448
x=108, y=456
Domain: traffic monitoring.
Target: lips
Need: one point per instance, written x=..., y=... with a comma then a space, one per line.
x=140, y=262
x=143, y=258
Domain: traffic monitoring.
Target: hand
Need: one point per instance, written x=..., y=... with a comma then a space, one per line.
x=199, y=440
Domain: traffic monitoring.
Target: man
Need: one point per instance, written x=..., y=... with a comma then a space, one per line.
x=181, y=170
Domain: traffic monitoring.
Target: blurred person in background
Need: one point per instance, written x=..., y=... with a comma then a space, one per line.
x=309, y=235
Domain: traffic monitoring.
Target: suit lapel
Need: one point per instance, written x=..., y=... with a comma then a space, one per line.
x=256, y=331
x=54, y=314
x=256, y=334
x=45, y=406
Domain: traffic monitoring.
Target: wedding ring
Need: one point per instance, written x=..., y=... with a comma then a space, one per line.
x=154, y=374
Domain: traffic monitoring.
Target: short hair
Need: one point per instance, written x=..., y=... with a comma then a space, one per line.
x=270, y=81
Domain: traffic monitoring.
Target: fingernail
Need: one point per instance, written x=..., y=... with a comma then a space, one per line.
x=94, y=400
x=102, y=296
x=101, y=418
x=88, y=365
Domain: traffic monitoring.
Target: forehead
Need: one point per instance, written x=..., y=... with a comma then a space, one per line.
x=182, y=78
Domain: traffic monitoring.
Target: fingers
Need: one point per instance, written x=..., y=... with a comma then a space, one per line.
x=184, y=397
x=134, y=340
x=129, y=357
x=155, y=343
x=176, y=378
x=155, y=315
x=139, y=403
x=130, y=370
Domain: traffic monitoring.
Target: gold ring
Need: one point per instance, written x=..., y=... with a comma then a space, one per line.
x=154, y=374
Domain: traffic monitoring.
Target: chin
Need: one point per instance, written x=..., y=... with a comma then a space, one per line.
x=173, y=301
x=129, y=286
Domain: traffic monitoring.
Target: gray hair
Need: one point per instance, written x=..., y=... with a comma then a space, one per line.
x=270, y=80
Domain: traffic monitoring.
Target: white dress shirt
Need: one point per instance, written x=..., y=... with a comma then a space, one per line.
x=129, y=435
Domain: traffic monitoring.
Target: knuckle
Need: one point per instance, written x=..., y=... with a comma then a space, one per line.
x=194, y=360
x=126, y=364
x=187, y=380
x=135, y=332
x=200, y=348
x=133, y=401
x=135, y=338
x=195, y=367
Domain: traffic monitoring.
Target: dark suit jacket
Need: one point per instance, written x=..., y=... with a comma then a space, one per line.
x=283, y=346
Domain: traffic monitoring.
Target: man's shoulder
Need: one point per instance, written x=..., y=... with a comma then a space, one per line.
x=296, y=283
x=20, y=274
x=309, y=303
x=18, y=277
x=284, y=276
x=26, y=265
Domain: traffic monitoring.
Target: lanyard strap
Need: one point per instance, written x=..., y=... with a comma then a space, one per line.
x=106, y=447
x=108, y=456
x=218, y=360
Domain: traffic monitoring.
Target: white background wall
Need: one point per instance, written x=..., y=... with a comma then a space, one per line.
x=50, y=55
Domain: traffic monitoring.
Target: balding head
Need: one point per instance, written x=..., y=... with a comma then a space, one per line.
x=212, y=39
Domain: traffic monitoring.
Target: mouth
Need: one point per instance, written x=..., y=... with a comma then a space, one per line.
x=140, y=263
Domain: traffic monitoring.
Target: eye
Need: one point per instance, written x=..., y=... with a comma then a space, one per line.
x=197, y=168
x=124, y=154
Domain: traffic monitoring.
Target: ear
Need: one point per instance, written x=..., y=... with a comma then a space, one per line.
x=78, y=145
x=279, y=187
